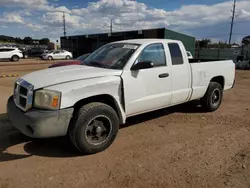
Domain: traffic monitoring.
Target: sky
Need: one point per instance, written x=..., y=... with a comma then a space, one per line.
x=199, y=18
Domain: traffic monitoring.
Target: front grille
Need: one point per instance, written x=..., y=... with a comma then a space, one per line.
x=23, y=94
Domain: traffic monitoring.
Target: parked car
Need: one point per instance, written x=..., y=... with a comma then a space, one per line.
x=190, y=56
x=33, y=52
x=57, y=54
x=117, y=81
x=77, y=61
x=13, y=54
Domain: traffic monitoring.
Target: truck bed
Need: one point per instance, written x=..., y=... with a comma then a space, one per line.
x=202, y=73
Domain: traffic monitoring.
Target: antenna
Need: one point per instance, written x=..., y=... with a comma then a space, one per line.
x=64, y=25
x=232, y=23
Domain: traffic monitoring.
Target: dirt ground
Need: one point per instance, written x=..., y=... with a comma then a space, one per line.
x=176, y=147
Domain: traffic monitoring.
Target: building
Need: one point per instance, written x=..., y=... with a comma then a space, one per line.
x=82, y=44
x=52, y=46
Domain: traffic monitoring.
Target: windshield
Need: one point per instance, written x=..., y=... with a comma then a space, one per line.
x=111, y=56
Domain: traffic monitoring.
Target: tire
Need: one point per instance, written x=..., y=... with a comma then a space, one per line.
x=87, y=122
x=213, y=97
x=50, y=58
x=67, y=57
x=15, y=58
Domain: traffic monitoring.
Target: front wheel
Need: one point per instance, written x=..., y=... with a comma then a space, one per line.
x=67, y=57
x=213, y=97
x=94, y=128
x=50, y=58
x=15, y=58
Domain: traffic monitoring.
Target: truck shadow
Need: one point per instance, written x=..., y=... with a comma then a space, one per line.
x=190, y=107
x=8, y=138
x=61, y=147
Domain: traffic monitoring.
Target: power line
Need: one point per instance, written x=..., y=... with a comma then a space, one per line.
x=64, y=25
x=232, y=23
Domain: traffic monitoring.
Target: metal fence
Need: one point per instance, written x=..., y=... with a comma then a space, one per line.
x=230, y=53
x=235, y=54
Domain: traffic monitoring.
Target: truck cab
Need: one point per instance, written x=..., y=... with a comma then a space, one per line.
x=88, y=102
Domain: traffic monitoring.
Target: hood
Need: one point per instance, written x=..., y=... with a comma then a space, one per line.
x=64, y=63
x=49, y=77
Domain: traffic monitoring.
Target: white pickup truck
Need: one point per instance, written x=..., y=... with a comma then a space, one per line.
x=88, y=102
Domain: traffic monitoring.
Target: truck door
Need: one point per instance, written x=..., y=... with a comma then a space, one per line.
x=181, y=73
x=148, y=89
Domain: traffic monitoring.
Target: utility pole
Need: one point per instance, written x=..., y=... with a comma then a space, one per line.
x=111, y=26
x=64, y=25
x=232, y=23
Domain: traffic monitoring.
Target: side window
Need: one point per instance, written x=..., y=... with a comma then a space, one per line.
x=154, y=53
x=2, y=50
x=175, y=52
x=8, y=50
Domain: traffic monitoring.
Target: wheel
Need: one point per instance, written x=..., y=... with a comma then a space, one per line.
x=93, y=128
x=67, y=57
x=50, y=58
x=15, y=58
x=213, y=97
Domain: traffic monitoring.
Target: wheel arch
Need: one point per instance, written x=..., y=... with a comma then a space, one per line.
x=103, y=98
x=219, y=79
x=15, y=55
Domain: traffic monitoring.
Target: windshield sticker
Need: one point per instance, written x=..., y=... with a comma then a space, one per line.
x=130, y=46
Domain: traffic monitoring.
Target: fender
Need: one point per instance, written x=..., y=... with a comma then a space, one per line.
x=75, y=91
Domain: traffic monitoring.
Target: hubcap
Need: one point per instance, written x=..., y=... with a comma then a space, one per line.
x=216, y=97
x=98, y=130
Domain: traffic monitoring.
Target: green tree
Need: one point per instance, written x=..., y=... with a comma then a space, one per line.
x=28, y=40
x=18, y=40
x=44, y=41
x=204, y=43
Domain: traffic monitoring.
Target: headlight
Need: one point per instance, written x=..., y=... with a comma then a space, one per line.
x=47, y=99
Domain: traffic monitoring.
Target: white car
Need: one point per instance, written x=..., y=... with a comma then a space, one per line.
x=57, y=54
x=13, y=54
x=119, y=80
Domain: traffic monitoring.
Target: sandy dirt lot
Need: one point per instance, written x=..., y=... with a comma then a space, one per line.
x=176, y=147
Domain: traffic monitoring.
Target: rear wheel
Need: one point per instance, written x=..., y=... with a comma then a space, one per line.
x=213, y=97
x=94, y=128
x=15, y=58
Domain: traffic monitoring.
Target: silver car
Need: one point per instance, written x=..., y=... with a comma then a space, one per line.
x=57, y=54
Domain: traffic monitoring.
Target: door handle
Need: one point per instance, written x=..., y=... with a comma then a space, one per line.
x=164, y=75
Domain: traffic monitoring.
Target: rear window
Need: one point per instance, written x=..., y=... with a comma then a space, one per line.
x=175, y=52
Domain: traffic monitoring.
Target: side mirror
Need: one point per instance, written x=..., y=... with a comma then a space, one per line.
x=142, y=65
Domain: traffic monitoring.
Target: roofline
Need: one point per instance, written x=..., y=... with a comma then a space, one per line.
x=96, y=34
x=180, y=33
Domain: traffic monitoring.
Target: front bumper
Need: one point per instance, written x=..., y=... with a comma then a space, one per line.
x=39, y=123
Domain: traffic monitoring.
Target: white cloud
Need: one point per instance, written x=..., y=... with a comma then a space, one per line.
x=11, y=18
x=33, y=4
x=34, y=27
x=4, y=26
